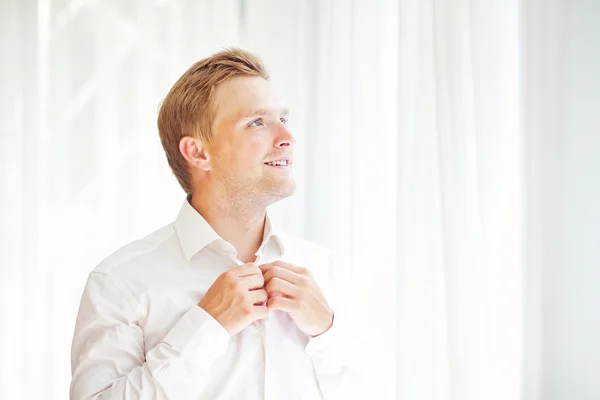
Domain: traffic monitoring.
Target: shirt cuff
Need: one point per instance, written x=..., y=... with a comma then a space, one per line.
x=198, y=336
x=327, y=350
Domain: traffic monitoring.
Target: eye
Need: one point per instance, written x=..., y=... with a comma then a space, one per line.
x=256, y=122
x=283, y=120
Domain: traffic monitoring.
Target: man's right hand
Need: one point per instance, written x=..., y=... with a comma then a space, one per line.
x=237, y=298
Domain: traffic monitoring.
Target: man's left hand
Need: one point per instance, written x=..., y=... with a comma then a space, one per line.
x=293, y=289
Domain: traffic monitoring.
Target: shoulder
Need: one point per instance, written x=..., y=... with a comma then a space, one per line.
x=134, y=254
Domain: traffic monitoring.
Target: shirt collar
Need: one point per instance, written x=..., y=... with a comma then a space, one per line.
x=271, y=232
x=195, y=233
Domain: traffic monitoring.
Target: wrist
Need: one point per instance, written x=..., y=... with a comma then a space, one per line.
x=330, y=324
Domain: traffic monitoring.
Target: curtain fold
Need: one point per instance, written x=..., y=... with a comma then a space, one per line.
x=459, y=277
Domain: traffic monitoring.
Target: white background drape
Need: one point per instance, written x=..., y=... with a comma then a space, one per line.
x=448, y=152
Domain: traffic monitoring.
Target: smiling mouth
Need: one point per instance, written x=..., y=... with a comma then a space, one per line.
x=278, y=163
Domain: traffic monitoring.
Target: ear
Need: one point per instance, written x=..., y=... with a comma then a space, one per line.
x=195, y=152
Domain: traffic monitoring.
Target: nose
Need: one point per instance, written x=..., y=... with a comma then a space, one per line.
x=284, y=137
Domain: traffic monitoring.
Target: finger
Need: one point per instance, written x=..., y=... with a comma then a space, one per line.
x=283, y=273
x=282, y=303
x=294, y=268
x=258, y=296
x=253, y=282
x=278, y=285
x=246, y=270
x=278, y=294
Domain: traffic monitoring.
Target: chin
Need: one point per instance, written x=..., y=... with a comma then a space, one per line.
x=282, y=190
x=287, y=190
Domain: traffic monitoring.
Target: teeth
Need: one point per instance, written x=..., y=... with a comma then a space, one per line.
x=281, y=163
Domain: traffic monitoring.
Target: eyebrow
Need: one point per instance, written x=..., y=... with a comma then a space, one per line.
x=264, y=111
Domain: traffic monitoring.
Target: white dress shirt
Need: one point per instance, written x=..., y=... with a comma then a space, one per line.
x=141, y=335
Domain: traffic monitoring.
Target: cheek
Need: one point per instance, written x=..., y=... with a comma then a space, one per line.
x=255, y=148
x=245, y=153
x=242, y=157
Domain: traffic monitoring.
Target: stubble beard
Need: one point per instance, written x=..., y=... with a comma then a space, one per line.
x=246, y=197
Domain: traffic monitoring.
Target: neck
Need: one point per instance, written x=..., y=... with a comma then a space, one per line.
x=240, y=224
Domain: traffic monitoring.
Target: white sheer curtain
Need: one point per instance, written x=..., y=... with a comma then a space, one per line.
x=410, y=168
x=420, y=139
x=460, y=201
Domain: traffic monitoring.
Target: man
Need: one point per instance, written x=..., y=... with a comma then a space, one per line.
x=218, y=304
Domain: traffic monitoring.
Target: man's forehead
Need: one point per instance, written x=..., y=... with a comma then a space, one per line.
x=244, y=96
x=277, y=110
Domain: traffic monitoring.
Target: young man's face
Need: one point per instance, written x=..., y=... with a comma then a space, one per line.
x=249, y=134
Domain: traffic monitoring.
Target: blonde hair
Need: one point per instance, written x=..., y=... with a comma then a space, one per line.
x=188, y=108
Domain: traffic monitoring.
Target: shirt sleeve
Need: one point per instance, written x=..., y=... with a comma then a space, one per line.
x=108, y=356
x=339, y=355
